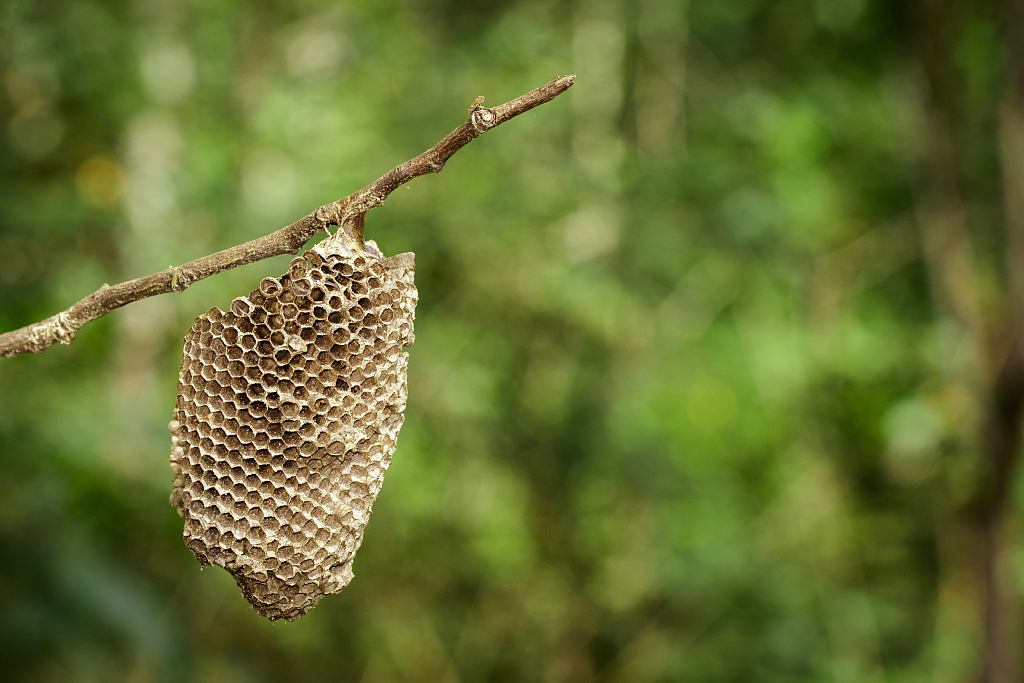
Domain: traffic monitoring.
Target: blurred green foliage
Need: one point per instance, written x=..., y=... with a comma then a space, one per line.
x=682, y=404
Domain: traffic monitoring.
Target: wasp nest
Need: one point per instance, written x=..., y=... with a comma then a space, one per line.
x=288, y=408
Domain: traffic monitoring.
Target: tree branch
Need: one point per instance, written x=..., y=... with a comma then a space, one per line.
x=347, y=213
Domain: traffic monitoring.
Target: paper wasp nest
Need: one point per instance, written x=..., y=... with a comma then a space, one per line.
x=288, y=408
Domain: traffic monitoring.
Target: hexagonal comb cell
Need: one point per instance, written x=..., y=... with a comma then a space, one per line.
x=288, y=410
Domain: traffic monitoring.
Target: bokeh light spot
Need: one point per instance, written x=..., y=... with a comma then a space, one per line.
x=100, y=180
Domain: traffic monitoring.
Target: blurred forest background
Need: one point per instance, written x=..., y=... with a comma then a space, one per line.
x=717, y=373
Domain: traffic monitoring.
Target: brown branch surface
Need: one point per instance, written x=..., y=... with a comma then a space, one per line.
x=347, y=213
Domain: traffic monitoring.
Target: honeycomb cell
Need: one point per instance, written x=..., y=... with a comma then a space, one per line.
x=288, y=410
x=240, y=307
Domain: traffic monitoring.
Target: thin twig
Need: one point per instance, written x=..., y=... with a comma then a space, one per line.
x=346, y=213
